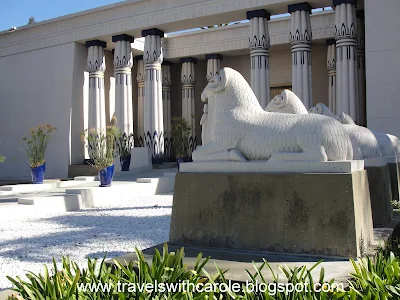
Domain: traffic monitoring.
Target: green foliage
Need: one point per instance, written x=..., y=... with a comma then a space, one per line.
x=373, y=278
x=102, y=147
x=300, y=278
x=395, y=204
x=36, y=144
x=2, y=159
x=125, y=144
x=180, y=136
x=71, y=282
x=376, y=278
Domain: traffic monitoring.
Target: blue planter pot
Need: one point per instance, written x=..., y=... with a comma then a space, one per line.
x=106, y=176
x=125, y=163
x=38, y=173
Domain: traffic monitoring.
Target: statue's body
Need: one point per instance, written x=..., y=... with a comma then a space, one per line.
x=240, y=129
x=361, y=137
x=388, y=144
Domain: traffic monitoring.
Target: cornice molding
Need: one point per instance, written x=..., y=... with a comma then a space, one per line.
x=131, y=16
x=237, y=37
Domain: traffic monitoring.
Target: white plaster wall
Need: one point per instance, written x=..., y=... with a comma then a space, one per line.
x=382, y=52
x=79, y=104
x=36, y=88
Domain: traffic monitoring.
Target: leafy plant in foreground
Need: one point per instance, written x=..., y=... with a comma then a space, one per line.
x=376, y=278
x=72, y=282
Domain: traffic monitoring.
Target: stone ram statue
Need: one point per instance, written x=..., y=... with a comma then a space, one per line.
x=366, y=140
x=239, y=129
x=388, y=144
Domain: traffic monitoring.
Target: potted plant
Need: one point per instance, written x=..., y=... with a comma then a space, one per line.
x=125, y=145
x=180, y=139
x=102, y=149
x=35, y=148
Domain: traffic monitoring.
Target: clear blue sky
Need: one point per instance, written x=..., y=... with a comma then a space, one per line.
x=17, y=12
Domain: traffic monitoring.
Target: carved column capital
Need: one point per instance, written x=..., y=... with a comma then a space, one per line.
x=152, y=46
x=345, y=20
x=213, y=65
x=95, y=58
x=259, y=33
x=140, y=73
x=166, y=74
x=300, y=29
x=331, y=56
x=188, y=76
x=123, y=59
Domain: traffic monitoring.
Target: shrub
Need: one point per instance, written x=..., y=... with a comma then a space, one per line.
x=395, y=204
x=36, y=144
x=180, y=136
x=125, y=144
x=102, y=146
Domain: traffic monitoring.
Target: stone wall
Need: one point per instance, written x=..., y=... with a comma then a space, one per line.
x=382, y=51
x=36, y=87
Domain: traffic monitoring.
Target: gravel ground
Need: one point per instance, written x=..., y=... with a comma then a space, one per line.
x=27, y=242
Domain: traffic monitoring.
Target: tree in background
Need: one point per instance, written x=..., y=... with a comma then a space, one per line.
x=31, y=20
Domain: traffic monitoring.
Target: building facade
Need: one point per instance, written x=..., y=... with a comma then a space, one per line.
x=145, y=61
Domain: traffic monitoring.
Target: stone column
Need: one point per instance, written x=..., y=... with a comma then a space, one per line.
x=331, y=65
x=346, y=42
x=259, y=44
x=153, y=107
x=96, y=67
x=300, y=38
x=140, y=77
x=213, y=65
x=213, y=69
x=123, y=63
x=166, y=98
x=188, y=80
x=361, y=107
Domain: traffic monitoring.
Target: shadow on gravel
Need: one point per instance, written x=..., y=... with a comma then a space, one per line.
x=82, y=231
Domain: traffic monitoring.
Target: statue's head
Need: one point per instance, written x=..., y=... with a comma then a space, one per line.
x=321, y=109
x=345, y=119
x=216, y=85
x=230, y=86
x=286, y=102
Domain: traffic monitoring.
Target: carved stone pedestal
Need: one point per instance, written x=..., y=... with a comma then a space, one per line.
x=380, y=190
x=394, y=172
x=324, y=214
x=381, y=194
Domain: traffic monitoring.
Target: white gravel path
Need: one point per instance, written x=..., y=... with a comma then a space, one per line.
x=27, y=241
